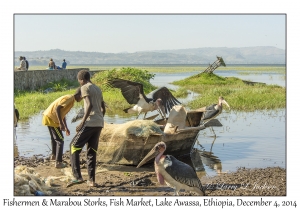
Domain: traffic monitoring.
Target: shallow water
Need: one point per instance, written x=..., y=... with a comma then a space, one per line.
x=255, y=139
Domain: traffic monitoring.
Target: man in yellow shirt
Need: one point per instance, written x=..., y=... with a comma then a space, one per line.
x=54, y=119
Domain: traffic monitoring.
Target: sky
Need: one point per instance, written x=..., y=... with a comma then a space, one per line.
x=115, y=33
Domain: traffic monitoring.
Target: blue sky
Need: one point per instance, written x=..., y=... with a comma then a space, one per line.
x=131, y=33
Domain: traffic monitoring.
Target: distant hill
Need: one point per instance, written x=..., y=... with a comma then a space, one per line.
x=243, y=55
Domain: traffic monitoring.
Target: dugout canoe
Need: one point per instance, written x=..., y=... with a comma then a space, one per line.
x=120, y=146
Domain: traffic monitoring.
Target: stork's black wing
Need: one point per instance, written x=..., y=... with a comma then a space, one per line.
x=182, y=172
x=166, y=96
x=210, y=112
x=130, y=90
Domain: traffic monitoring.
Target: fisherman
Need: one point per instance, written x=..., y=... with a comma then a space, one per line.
x=54, y=118
x=89, y=130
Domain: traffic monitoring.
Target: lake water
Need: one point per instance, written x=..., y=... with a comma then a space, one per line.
x=246, y=139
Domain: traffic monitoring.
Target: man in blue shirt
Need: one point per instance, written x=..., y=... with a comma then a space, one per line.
x=27, y=63
x=64, y=64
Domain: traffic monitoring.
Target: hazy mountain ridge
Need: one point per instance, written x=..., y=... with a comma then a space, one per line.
x=244, y=55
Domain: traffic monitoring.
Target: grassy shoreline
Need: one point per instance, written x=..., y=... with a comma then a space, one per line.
x=240, y=96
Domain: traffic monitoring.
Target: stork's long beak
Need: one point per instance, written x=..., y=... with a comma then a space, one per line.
x=223, y=101
x=148, y=157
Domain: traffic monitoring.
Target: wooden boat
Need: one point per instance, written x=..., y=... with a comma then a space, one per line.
x=118, y=146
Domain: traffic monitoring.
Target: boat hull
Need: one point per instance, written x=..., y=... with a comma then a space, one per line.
x=134, y=148
x=131, y=149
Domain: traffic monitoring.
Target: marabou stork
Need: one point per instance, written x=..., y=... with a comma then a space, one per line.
x=212, y=111
x=160, y=99
x=174, y=173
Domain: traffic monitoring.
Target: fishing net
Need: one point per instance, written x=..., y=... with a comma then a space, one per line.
x=27, y=182
x=118, y=142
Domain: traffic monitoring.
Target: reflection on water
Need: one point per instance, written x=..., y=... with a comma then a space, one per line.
x=206, y=158
x=255, y=139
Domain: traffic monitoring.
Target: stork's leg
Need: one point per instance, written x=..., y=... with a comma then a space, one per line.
x=212, y=143
x=145, y=115
x=158, y=110
x=161, y=114
x=138, y=115
x=211, y=128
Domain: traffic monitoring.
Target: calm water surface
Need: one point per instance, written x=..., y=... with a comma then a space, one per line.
x=255, y=139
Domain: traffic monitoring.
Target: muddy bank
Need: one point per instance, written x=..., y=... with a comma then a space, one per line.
x=119, y=180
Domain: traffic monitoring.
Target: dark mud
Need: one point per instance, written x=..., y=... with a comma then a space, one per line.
x=119, y=180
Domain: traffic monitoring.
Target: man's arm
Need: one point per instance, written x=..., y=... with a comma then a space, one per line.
x=103, y=108
x=66, y=127
x=60, y=120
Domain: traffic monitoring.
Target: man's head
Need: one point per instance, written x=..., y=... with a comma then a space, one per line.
x=21, y=58
x=77, y=95
x=83, y=77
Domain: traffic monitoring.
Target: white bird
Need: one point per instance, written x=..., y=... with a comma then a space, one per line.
x=174, y=173
x=160, y=99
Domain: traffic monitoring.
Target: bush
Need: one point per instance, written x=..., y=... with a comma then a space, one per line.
x=61, y=85
x=127, y=73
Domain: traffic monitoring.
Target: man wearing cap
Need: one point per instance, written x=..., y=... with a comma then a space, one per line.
x=54, y=119
x=22, y=64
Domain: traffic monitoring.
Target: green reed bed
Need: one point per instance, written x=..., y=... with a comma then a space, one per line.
x=30, y=103
x=240, y=96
